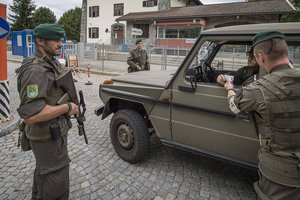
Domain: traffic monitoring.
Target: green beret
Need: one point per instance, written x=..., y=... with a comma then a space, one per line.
x=266, y=35
x=49, y=31
x=138, y=41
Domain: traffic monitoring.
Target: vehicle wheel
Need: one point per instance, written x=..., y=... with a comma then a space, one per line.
x=129, y=135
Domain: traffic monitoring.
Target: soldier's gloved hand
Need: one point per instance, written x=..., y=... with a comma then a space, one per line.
x=74, y=109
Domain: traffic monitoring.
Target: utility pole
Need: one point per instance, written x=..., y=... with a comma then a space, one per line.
x=83, y=27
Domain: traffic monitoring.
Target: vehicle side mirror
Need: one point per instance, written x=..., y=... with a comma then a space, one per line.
x=191, y=76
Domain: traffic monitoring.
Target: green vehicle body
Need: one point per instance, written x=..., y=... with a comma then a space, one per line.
x=184, y=111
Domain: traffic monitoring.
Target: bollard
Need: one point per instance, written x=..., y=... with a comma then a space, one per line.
x=88, y=73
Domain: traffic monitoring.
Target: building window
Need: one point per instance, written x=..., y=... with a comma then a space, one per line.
x=94, y=32
x=178, y=32
x=94, y=11
x=150, y=3
x=118, y=9
x=171, y=33
x=189, y=33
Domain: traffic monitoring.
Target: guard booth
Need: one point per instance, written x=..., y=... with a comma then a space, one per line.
x=22, y=43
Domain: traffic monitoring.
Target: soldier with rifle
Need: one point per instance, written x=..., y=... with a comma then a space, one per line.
x=48, y=100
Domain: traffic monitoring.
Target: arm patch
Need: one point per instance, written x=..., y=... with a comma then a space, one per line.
x=232, y=106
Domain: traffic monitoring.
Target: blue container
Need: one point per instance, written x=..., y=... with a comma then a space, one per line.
x=22, y=43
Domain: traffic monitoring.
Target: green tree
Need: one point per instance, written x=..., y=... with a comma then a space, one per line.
x=21, y=16
x=71, y=21
x=294, y=17
x=43, y=15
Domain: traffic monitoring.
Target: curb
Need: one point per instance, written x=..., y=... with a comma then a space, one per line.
x=101, y=72
x=12, y=125
x=14, y=60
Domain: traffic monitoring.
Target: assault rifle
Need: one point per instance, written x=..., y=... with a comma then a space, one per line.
x=65, y=81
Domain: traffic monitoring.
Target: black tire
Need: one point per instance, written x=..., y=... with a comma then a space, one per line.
x=129, y=135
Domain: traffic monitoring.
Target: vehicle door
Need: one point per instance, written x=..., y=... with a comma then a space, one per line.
x=201, y=119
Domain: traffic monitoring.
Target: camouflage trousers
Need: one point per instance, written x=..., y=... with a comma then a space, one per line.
x=269, y=190
x=51, y=176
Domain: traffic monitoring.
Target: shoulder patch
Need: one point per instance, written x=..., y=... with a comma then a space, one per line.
x=32, y=91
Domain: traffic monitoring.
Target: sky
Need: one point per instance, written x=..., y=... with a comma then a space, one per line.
x=58, y=7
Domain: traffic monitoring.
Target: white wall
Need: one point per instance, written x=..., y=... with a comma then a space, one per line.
x=177, y=3
x=106, y=18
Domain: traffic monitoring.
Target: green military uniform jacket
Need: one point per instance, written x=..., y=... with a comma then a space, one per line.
x=138, y=57
x=36, y=86
x=275, y=101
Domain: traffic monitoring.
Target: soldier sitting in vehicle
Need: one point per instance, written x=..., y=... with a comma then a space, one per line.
x=245, y=75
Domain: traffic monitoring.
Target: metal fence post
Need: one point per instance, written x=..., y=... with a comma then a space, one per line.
x=177, y=54
x=80, y=49
x=102, y=53
x=95, y=52
x=233, y=64
x=164, y=59
x=166, y=53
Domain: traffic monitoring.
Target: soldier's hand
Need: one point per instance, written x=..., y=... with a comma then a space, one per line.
x=74, y=110
x=228, y=85
x=138, y=68
x=221, y=79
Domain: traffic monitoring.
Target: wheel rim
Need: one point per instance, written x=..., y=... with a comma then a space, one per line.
x=125, y=136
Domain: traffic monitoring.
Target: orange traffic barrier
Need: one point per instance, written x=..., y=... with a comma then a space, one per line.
x=4, y=86
x=3, y=49
x=88, y=73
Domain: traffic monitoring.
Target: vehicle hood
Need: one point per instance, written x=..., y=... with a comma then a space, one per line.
x=147, y=78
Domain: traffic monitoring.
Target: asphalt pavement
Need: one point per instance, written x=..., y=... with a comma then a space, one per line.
x=96, y=171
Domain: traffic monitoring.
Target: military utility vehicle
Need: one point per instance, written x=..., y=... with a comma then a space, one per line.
x=186, y=108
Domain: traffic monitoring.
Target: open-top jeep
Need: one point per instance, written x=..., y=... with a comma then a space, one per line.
x=186, y=108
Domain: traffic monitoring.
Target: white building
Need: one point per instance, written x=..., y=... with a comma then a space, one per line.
x=170, y=23
x=101, y=23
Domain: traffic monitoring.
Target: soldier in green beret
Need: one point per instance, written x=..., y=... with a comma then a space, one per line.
x=38, y=108
x=274, y=100
x=138, y=58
